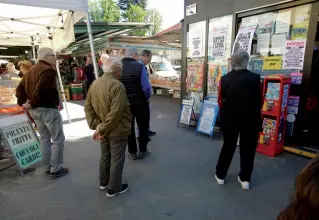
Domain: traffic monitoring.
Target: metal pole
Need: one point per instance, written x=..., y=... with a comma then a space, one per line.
x=33, y=51
x=61, y=85
x=88, y=23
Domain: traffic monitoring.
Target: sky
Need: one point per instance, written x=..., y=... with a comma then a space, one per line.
x=171, y=10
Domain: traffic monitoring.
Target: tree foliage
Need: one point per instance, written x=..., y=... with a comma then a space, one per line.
x=125, y=4
x=153, y=16
x=104, y=11
x=136, y=14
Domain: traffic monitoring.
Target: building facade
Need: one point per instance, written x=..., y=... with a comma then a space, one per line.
x=213, y=29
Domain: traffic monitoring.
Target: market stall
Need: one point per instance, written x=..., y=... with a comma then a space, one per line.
x=33, y=23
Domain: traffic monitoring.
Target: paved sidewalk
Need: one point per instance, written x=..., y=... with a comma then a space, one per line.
x=174, y=182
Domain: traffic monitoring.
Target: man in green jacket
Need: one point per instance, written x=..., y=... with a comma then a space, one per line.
x=107, y=112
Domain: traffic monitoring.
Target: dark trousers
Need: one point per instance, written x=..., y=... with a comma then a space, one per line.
x=141, y=113
x=248, y=143
x=86, y=86
x=112, y=162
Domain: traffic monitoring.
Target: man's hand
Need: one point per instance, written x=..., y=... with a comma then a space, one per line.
x=27, y=105
x=97, y=136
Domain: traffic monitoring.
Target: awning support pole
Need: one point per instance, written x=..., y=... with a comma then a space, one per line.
x=61, y=85
x=88, y=23
x=33, y=51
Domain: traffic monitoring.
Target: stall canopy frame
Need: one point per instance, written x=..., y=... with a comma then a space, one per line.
x=43, y=23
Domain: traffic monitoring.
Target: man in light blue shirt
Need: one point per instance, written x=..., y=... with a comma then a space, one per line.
x=145, y=59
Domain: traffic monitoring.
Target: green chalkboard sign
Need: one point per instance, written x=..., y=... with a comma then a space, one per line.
x=22, y=140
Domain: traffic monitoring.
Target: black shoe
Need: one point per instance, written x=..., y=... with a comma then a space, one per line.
x=151, y=133
x=111, y=193
x=132, y=156
x=61, y=172
x=149, y=139
x=142, y=155
x=48, y=173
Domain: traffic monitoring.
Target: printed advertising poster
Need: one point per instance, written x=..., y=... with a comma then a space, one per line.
x=244, y=39
x=186, y=114
x=296, y=78
x=293, y=104
x=195, y=76
x=283, y=22
x=196, y=43
x=300, y=31
x=278, y=44
x=215, y=73
x=294, y=54
x=272, y=63
x=23, y=143
x=218, y=44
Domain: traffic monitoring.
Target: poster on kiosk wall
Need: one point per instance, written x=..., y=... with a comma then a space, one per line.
x=245, y=34
x=294, y=54
x=218, y=41
x=196, y=43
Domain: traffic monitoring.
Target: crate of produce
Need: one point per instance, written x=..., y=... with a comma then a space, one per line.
x=77, y=96
x=76, y=90
x=76, y=85
x=66, y=93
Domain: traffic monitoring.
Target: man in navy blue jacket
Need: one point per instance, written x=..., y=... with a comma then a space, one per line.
x=138, y=90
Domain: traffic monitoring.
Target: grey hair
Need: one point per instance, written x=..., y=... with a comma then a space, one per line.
x=146, y=53
x=112, y=65
x=44, y=51
x=239, y=60
x=104, y=57
x=131, y=52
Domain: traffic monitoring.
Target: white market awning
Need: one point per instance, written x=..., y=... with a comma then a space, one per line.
x=27, y=25
x=74, y=5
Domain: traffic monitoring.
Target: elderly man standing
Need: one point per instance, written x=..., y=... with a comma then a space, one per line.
x=38, y=92
x=104, y=57
x=146, y=58
x=138, y=90
x=240, y=102
x=107, y=112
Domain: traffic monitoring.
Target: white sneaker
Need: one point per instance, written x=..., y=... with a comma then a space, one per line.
x=244, y=185
x=219, y=181
x=103, y=187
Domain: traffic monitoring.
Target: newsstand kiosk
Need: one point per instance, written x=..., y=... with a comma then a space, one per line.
x=274, y=114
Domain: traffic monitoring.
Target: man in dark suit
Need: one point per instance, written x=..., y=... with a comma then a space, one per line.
x=240, y=103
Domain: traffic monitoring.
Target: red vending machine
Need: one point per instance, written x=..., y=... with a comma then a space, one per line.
x=274, y=113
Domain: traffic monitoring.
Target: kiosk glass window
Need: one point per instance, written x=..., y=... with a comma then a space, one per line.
x=276, y=42
x=219, y=51
x=196, y=38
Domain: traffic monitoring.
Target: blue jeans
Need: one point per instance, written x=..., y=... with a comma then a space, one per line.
x=49, y=124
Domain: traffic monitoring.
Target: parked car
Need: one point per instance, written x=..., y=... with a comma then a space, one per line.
x=165, y=70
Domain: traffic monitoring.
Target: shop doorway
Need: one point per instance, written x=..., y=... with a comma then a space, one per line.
x=311, y=127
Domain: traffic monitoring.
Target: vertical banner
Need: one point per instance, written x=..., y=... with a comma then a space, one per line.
x=294, y=54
